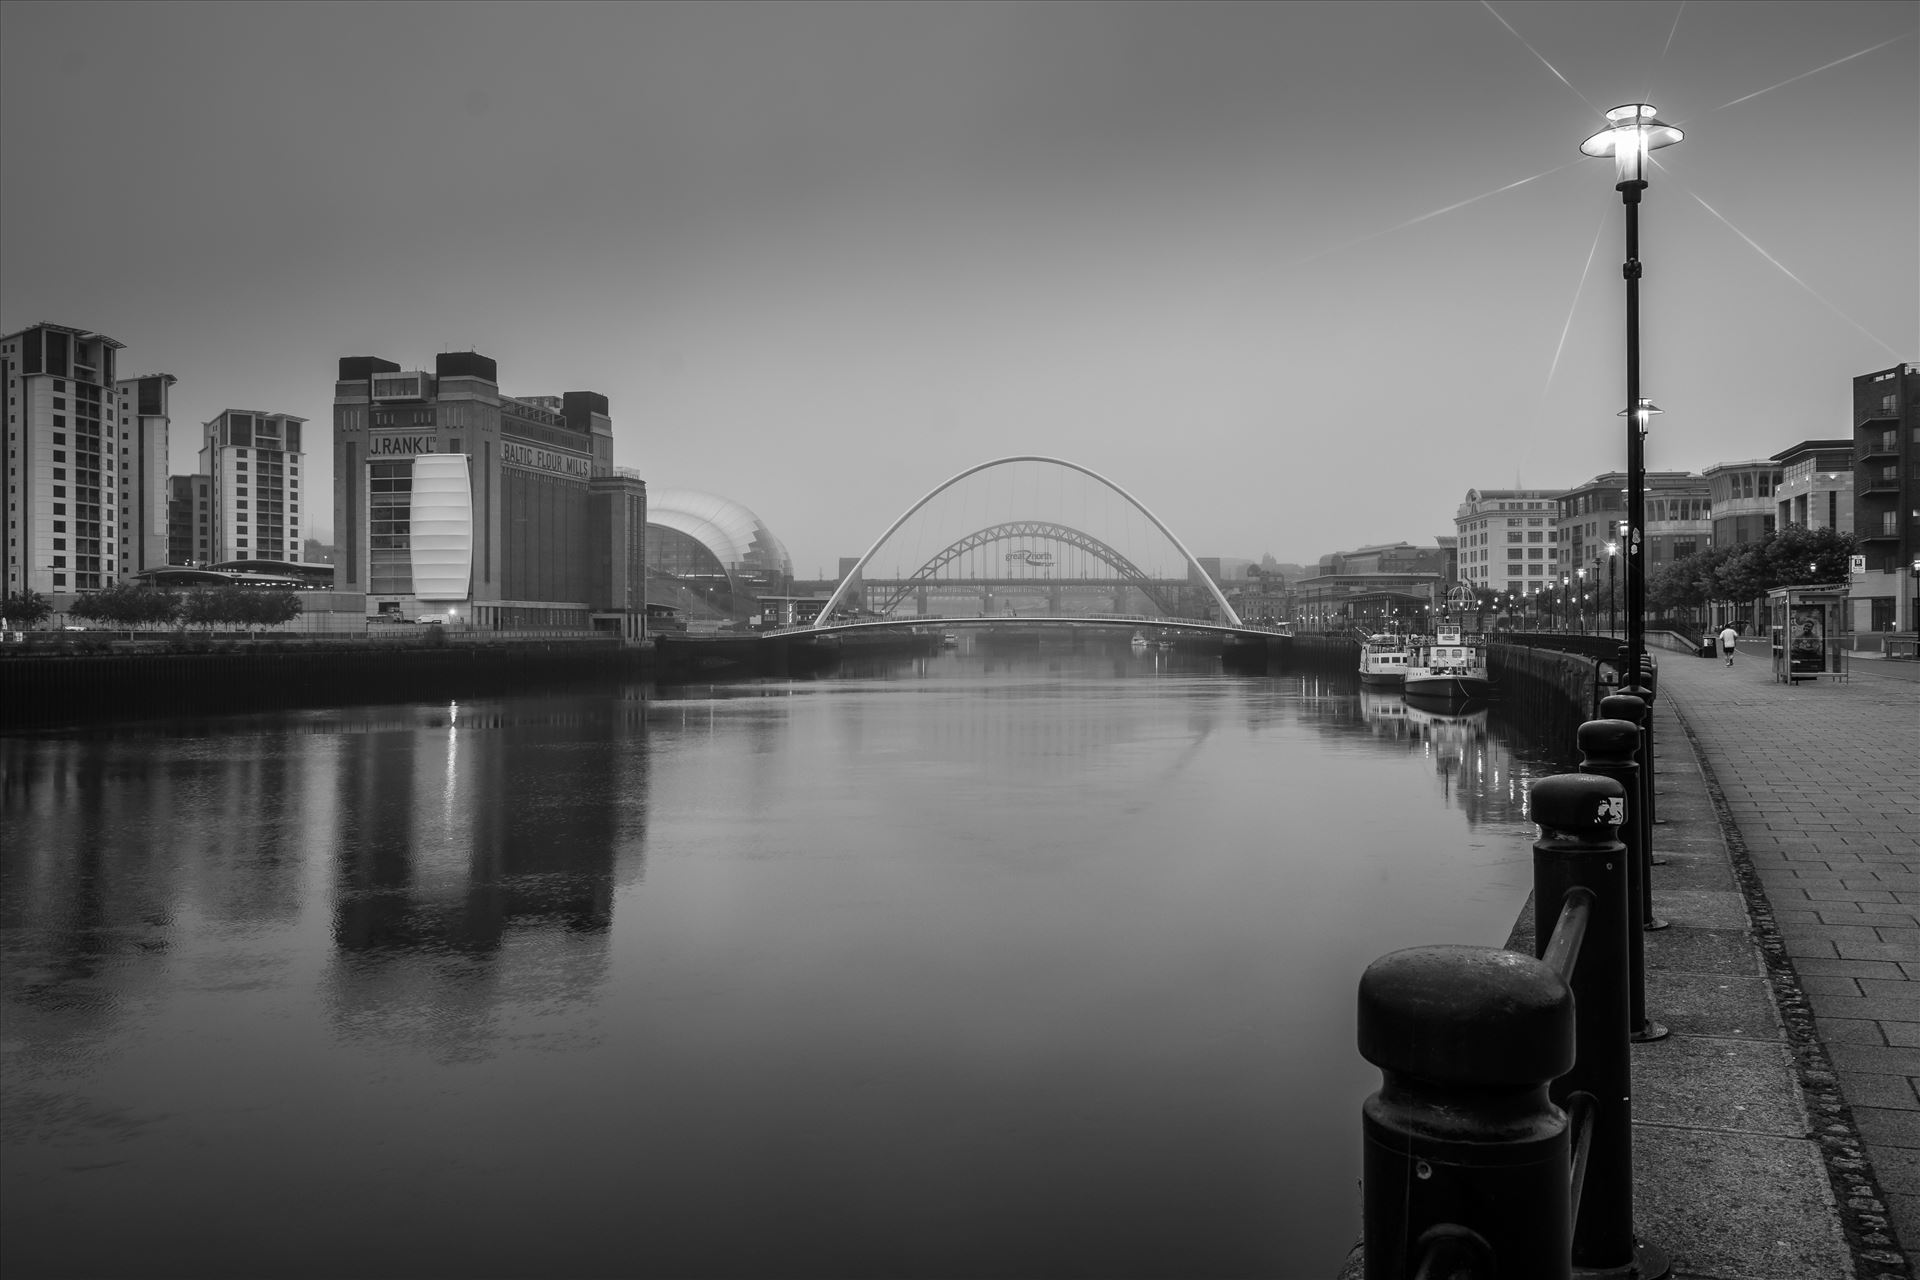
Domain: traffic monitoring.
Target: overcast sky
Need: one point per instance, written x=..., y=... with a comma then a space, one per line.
x=823, y=256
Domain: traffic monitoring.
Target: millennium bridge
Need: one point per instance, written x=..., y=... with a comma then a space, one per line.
x=1024, y=574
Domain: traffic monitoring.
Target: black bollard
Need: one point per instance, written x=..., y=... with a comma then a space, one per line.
x=1631, y=707
x=1646, y=688
x=1462, y=1143
x=1578, y=849
x=1607, y=750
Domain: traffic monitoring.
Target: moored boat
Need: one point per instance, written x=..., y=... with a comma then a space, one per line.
x=1383, y=659
x=1448, y=667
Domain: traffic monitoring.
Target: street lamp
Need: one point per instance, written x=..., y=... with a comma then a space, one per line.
x=1632, y=132
x=1613, y=550
x=1583, y=600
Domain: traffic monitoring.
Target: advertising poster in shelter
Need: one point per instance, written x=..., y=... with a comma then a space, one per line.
x=1807, y=637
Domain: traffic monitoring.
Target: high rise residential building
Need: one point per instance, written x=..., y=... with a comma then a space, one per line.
x=1507, y=539
x=454, y=501
x=253, y=460
x=190, y=520
x=1743, y=502
x=141, y=405
x=62, y=470
x=1886, y=499
x=1816, y=485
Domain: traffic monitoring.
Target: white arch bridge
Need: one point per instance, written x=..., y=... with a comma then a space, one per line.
x=1077, y=566
x=1117, y=573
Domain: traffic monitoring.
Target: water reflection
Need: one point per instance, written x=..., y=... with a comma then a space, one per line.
x=981, y=963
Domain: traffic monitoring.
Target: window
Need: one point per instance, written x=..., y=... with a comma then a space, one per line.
x=1535, y=553
x=1534, y=570
x=1513, y=537
x=1513, y=553
x=1533, y=537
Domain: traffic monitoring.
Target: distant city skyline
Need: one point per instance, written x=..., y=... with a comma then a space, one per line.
x=1298, y=276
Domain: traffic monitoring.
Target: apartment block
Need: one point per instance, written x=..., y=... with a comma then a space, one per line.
x=252, y=459
x=1886, y=499
x=141, y=405
x=62, y=473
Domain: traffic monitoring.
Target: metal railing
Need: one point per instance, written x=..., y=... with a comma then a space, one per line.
x=1500, y=1141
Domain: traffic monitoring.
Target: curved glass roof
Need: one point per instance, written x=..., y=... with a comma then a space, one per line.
x=737, y=537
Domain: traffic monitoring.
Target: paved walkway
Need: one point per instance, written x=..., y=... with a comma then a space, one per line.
x=1817, y=789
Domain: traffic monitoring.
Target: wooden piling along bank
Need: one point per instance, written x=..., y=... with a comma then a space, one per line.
x=45, y=691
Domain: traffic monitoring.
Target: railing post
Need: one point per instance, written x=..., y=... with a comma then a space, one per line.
x=1578, y=814
x=1607, y=749
x=1462, y=1134
x=1634, y=709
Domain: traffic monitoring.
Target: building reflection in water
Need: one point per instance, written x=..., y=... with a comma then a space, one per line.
x=478, y=857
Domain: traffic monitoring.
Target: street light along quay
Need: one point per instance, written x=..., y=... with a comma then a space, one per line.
x=1632, y=131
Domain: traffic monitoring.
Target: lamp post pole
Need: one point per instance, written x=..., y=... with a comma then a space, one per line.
x=1632, y=131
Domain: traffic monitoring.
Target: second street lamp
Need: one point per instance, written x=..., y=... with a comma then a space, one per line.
x=1613, y=551
x=1632, y=132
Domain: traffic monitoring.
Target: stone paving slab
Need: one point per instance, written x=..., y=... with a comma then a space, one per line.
x=1816, y=789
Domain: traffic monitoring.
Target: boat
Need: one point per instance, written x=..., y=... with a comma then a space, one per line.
x=1448, y=667
x=1383, y=659
x=1140, y=643
x=949, y=640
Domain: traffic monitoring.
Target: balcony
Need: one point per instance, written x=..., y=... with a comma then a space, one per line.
x=1883, y=412
x=1883, y=481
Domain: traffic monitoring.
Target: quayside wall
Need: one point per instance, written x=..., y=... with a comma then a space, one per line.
x=1547, y=692
x=38, y=692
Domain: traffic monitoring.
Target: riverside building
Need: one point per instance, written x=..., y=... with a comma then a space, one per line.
x=1886, y=500
x=62, y=472
x=252, y=459
x=1678, y=524
x=144, y=496
x=455, y=502
x=1507, y=539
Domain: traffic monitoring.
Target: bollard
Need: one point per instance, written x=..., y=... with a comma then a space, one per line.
x=1607, y=748
x=1643, y=689
x=1631, y=707
x=1462, y=1139
x=1578, y=849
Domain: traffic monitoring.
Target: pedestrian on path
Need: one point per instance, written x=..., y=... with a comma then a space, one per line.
x=1728, y=638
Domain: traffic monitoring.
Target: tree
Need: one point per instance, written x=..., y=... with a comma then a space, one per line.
x=25, y=608
x=240, y=606
x=128, y=605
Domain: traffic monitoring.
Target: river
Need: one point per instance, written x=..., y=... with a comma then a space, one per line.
x=976, y=965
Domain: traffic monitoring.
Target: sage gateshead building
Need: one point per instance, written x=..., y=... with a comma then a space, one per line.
x=710, y=557
x=456, y=503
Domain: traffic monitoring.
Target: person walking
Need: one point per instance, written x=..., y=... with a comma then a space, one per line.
x=1728, y=638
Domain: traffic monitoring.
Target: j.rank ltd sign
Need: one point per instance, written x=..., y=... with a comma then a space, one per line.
x=398, y=446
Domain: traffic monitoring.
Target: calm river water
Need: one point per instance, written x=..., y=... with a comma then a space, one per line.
x=970, y=966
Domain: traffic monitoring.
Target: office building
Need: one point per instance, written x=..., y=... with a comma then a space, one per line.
x=253, y=460
x=1742, y=497
x=1886, y=499
x=1593, y=516
x=1507, y=539
x=61, y=473
x=1816, y=485
x=454, y=501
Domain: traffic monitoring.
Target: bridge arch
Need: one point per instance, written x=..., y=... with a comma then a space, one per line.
x=1130, y=573
x=1213, y=588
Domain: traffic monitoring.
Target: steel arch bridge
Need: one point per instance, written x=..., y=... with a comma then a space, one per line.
x=1129, y=574
x=1227, y=613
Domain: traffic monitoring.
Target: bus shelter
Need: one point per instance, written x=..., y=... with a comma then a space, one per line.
x=1806, y=628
